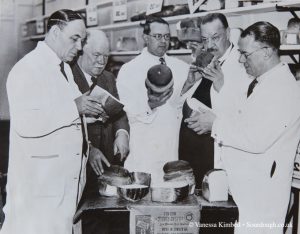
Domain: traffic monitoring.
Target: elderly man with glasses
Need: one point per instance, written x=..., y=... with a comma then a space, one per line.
x=154, y=120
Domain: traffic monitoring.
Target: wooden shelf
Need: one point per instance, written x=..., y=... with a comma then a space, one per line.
x=137, y=52
x=289, y=47
x=261, y=8
x=34, y=38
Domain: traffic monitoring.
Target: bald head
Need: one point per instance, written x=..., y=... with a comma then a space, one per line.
x=95, y=53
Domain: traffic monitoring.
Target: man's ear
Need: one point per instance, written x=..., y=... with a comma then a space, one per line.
x=55, y=31
x=228, y=33
x=268, y=52
x=146, y=38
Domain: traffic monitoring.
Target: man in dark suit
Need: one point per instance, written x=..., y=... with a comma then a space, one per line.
x=109, y=136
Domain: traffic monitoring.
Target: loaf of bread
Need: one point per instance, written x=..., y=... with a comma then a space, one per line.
x=170, y=191
x=215, y=185
x=180, y=171
x=159, y=79
x=203, y=59
x=187, y=30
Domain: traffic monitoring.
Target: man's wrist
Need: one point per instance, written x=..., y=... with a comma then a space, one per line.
x=119, y=131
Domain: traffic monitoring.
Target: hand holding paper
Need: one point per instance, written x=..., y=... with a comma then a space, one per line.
x=109, y=103
x=198, y=116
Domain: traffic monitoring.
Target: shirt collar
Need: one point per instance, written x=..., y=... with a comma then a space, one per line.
x=274, y=70
x=49, y=55
x=226, y=54
x=146, y=53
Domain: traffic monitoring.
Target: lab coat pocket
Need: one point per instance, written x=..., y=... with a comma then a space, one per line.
x=48, y=180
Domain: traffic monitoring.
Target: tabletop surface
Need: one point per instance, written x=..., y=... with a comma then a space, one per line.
x=116, y=203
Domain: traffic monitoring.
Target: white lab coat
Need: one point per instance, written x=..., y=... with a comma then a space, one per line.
x=263, y=132
x=236, y=82
x=45, y=158
x=154, y=134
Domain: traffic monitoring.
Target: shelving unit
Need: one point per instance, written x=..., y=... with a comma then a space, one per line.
x=261, y=8
x=114, y=30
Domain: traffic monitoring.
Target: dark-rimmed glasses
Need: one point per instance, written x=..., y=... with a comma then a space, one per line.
x=159, y=36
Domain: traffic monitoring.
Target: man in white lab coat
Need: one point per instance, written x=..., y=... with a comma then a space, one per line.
x=154, y=122
x=221, y=96
x=46, y=162
x=259, y=139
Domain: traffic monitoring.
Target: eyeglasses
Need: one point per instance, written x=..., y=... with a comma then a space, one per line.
x=159, y=36
x=214, y=39
x=247, y=55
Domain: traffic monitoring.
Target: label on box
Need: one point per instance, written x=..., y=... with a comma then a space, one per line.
x=164, y=219
x=119, y=10
x=154, y=6
x=297, y=163
x=91, y=15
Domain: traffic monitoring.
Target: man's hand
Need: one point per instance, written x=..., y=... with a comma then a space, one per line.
x=193, y=76
x=89, y=106
x=121, y=145
x=214, y=73
x=95, y=159
x=201, y=121
x=156, y=101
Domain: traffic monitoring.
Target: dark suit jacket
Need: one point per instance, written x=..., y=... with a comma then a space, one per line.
x=102, y=135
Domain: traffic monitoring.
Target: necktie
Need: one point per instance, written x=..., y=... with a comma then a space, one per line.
x=162, y=61
x=94, y=80
x=63, y=70
x=251, y=87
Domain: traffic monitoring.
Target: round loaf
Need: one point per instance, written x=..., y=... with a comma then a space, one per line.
x=116, y=176
x=203, y=59
x=174, y=166
x=159, y=75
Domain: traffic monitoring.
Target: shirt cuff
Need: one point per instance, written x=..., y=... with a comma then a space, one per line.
x=122, y=130
x=214, y=132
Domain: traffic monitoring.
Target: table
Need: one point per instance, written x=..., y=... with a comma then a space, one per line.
x=111, y=214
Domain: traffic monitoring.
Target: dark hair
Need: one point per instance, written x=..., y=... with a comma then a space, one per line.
x=214, y=16
x=151, y=20
x=62, y=17
x=293, y=21
x=263, y=32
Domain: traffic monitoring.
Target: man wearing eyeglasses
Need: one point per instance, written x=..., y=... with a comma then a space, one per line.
x=154, y=120
x=226, y=81
x=47, y=160
x=259, y=138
